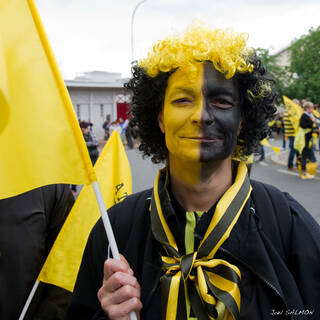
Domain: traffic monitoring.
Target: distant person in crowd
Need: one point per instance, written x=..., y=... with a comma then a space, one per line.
x=92, y=145
x=128, y=129
x=91, y=141
x=278, y=124
x=123, y=130
x=207, y=241
x=307, y=122
x=302, y=102
x=271, y=127
x=317, y=116
x=115, y=125
x=106, y=127
x=290, y=133
x=280, y=130
x=262, y=153
x=29, y=225
x=298, y=102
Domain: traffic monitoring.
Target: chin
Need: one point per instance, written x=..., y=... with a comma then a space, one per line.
x=216, y=158
x=214, y=155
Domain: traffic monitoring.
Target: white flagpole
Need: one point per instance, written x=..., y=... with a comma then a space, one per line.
x=27, y=304
x=108, y=228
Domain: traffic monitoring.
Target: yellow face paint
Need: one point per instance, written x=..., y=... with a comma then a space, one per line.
x=201, y=119
x=182, y=109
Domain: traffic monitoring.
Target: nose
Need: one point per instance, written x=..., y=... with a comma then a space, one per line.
x=201, y=116
x=206, y=117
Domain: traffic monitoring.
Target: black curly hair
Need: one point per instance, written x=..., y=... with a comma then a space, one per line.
x=148, y=98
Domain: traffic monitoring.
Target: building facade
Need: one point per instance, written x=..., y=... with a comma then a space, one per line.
x=97, y=95
x=284, y=57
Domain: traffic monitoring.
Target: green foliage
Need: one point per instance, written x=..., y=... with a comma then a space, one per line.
x=273, y=69
x=301, y=79
x=305, y=66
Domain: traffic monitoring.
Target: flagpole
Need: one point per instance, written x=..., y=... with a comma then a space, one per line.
x=27, y=304
x=108, y=228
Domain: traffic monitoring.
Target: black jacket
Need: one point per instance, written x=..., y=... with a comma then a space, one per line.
x=29, y=224
x=275, y=244
x=306, y=123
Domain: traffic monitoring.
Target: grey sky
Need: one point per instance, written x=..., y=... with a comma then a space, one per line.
x=96, y=34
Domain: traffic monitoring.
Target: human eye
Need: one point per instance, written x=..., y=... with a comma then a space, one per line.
x=182, y=101
x=222, y=103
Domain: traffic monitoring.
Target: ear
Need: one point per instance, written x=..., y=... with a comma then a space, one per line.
x=160, y=121
x=240, y=126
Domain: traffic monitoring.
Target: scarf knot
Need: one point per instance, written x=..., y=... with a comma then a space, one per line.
x=214, y=280
x=185, y=264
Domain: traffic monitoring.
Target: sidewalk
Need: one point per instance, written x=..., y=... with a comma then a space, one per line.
x=281, y=158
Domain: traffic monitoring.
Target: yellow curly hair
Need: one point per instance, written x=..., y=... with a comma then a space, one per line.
x=226, y=49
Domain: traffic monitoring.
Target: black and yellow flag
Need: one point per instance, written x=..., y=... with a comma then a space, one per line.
x=294, y=111
x=199, y=277
x=114, y=176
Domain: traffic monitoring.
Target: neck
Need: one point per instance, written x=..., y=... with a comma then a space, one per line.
x=198, y=186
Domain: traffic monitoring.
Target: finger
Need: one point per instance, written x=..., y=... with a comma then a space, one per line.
x=122, y=258
x=119, y=279
x=122, y=311
x=121, y=295
x=113, y=265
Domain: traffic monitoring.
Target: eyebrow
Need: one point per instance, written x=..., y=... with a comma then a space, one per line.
x=186, y=90
x=220, y=91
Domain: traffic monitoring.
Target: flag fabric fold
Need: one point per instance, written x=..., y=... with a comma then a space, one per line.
x=114, y=177
x=40, y=138
x=294, y=111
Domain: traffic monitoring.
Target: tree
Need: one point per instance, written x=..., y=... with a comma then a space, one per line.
x=304, y=69
x=301, y=79
x=273, y=69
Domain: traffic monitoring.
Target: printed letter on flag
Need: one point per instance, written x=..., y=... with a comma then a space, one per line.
x=114, y=177
x=40, y=139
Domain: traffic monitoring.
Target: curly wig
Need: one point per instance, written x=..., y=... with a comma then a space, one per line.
x=228, y=53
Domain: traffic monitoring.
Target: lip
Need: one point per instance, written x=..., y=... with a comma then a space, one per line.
x=203, y=139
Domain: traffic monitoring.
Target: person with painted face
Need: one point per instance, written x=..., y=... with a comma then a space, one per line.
x=206, y=242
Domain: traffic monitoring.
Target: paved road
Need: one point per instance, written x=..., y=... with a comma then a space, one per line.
x=143, y=171
x=307, y=192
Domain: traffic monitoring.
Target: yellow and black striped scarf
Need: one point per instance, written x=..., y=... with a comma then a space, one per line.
x=198, y=277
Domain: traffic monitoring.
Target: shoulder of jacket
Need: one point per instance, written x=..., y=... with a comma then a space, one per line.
x=258, y=184
x=269, y=196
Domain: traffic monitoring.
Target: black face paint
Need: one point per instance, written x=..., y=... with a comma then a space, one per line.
x=220, y=119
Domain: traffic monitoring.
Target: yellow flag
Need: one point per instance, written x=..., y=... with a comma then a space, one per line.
x=294, y=111
x=114, y=177
x=40, y=139
x=266, y=143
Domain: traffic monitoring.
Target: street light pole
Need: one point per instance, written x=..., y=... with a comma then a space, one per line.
x=132, y=19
